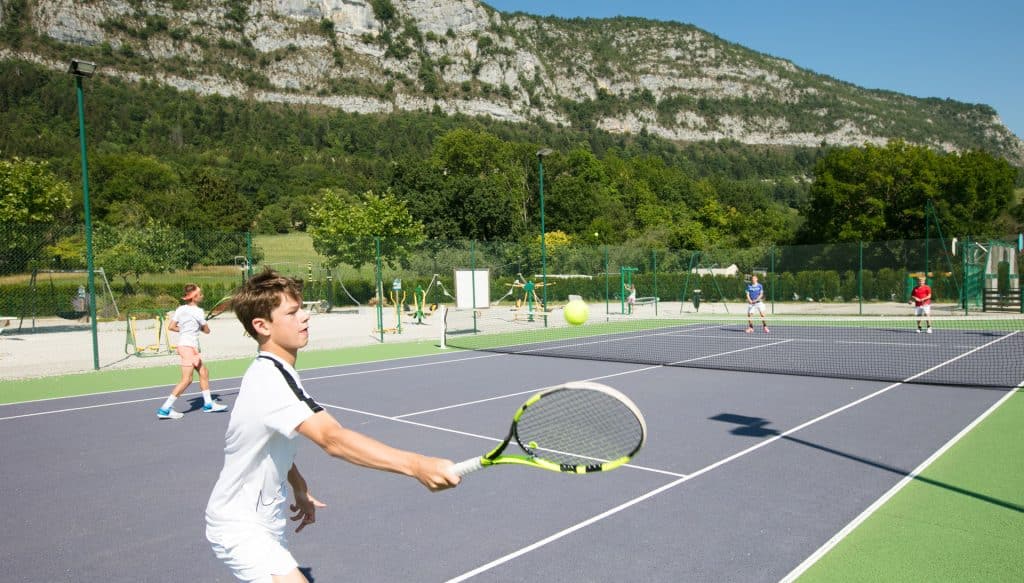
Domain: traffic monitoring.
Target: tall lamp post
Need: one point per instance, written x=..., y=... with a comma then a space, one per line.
x=543, y=236
x=80, y=70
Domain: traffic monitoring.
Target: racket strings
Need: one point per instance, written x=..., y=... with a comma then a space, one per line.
x=579, y=427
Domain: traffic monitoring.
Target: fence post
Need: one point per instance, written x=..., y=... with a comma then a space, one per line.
x=654, y=269
x=772, y=269
x=472, y=279
x=379, y=284
x=607, y=290
x=248, y=254
x=860, y=279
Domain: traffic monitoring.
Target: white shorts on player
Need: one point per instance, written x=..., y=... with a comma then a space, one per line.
x=923, y=310
x=254, y=554
x=755, y=307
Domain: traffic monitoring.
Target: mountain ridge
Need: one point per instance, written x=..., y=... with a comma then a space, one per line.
x=622, y=75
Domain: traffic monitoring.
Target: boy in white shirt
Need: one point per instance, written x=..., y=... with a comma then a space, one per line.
x=246, y=514
x=188, y=321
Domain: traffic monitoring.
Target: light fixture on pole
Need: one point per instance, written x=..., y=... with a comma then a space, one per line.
x=543, y=236
x=81, y=70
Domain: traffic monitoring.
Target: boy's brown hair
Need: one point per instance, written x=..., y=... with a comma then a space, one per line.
x=260, y=295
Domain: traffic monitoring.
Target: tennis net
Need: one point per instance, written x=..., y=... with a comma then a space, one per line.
x=960, y=350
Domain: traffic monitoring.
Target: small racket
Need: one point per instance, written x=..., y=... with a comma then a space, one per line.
x=576, y=428
x=223, y=305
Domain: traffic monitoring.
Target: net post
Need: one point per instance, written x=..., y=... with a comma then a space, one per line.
x=444, y=326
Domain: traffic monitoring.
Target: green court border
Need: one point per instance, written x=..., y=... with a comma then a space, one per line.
x=961, y=519
x=107, y=381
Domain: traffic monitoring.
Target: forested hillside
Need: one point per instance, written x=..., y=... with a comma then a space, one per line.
x=247, y=146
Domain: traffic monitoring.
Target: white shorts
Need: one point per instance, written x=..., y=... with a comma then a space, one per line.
x=923, y=310
x=253, y=556
x=756, y=306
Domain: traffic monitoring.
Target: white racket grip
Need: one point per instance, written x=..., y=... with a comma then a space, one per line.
x=467, y=467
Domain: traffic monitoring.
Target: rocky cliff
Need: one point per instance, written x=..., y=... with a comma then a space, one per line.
x=461, y=56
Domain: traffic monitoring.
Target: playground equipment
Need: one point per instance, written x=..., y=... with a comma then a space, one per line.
x=695, y=270
x=398, y=297
x=143, y=344
x=517, y=282
x=106, y=305
x=530, y=299
x=319, y=290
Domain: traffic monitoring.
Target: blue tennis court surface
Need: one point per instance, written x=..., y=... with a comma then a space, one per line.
x=743, y=477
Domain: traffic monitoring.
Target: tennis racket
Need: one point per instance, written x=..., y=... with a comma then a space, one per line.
x=222, y=305
x=575, y=428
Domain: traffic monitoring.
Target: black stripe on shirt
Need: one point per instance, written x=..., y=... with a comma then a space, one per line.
x=299, y=394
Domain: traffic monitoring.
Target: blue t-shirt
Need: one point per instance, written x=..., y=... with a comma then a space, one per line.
x=754, y=291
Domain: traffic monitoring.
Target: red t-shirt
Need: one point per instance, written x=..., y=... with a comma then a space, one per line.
x=920, y=292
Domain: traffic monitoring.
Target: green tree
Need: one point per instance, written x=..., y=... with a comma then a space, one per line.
x=33, y=203
x=217, y=203
x=580, y=193
x=127, y=185
x=871, y=193
x=482, y=184
x=344, y=230
x=875, y=193
x=153, y=248
x=976, y=189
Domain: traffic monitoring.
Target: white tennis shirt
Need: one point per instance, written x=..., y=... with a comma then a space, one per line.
x=252, y=490
x=191, y=320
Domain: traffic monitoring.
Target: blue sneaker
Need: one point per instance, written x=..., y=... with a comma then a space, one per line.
x=168, y=414
x=214, y=408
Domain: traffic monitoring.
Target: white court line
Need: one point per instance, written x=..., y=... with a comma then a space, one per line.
x=565, y=532
x=619, y=337
x=846, y=530
x=403, y=367
x=520, y=393
x=729, y=352
x=218, y=391
x=473, y=435
x=73, y=409
x=230, y=378
x=830, y=341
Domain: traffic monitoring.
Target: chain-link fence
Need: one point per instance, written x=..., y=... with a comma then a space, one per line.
x=42, y=274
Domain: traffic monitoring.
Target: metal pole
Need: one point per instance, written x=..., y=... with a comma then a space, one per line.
x=248, y=254
x=654, y=269
x=472, y=278
x=380, y=291
x=89, y=264
x=607, y=307
x=927, y=235
x=543, y=241
x=860, y=280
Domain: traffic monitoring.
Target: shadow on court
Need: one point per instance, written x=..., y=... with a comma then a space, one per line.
x=758, y=427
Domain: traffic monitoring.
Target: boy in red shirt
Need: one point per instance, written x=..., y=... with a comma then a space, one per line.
x=922, y=296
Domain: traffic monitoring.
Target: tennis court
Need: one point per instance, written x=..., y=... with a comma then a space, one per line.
x=744, y=477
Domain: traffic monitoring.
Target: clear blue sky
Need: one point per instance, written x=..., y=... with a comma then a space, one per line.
x=967, y=51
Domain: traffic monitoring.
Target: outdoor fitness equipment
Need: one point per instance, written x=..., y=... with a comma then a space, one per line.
x=161, y=345
x=398, y=297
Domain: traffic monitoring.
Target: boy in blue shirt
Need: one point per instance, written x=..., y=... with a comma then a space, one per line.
x=755, y=301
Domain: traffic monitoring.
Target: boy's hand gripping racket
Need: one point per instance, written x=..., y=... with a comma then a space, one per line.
x=576, y=428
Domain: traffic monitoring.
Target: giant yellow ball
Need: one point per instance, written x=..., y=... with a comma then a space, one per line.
x=576, y=312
